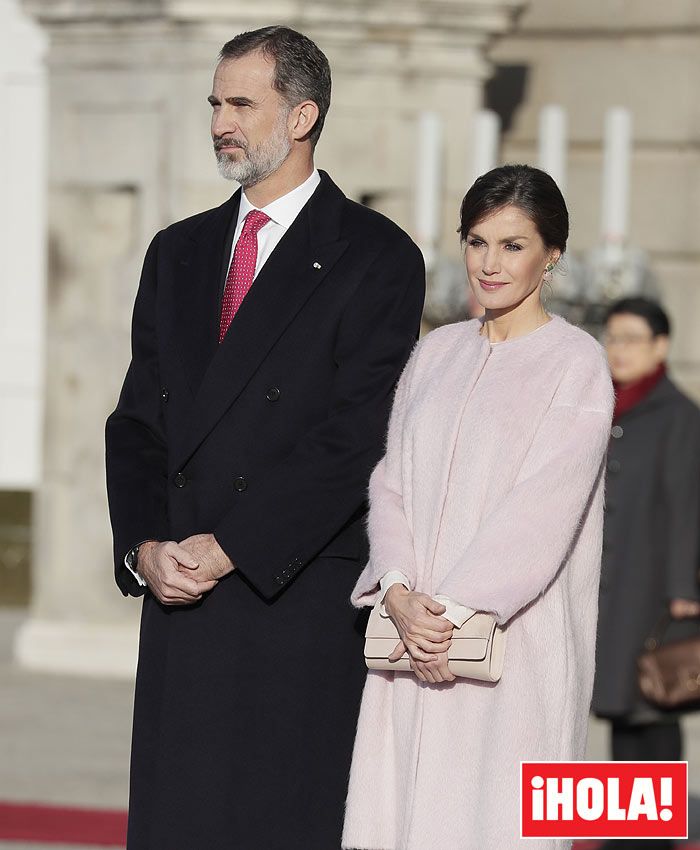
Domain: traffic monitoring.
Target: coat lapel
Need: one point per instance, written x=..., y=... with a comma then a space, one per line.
x=297, y=266
x=199, y=273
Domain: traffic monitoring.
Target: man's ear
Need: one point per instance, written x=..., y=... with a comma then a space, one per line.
x=305, y=117
x=662, y=345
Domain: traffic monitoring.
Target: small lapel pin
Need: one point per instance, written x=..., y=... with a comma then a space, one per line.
x=317, y=265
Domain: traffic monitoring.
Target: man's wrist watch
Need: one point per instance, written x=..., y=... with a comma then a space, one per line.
x=132, y=557
x=131, y=563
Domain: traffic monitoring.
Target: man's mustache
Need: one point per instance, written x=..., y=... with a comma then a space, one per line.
x=229, y=143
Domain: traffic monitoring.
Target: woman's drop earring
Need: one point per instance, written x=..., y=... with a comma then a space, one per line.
x=547, y=276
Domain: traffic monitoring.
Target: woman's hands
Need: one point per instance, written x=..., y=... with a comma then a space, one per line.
x=433, y=671
x=425, y=635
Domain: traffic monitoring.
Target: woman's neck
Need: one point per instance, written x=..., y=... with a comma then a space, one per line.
x=501, y=325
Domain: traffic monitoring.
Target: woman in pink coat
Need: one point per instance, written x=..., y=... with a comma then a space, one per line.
x=489, y=498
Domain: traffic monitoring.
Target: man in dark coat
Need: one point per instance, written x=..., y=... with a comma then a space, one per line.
x=268, y=335
x=651, y=543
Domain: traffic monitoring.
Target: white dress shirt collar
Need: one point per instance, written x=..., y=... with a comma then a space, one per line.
x=284, y=210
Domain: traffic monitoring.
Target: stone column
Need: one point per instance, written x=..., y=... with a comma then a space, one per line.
x=23, y=146
x=130, y=152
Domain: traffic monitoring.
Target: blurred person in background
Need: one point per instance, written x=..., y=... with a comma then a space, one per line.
x=651, y=542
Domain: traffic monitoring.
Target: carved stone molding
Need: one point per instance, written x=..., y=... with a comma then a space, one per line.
x=389, y=16
x=433, y=37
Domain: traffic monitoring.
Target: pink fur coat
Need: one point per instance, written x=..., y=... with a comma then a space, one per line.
x=490, y=492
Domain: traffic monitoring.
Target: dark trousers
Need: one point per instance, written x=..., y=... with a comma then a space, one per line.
x=645, y=742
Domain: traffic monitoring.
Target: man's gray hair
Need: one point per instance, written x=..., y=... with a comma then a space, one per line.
x=302, y=71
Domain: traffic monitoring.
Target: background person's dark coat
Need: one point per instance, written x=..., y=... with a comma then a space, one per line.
x=651, y=542
x=246, y=704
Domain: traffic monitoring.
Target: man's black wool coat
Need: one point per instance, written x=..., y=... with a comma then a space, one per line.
x=246, y=702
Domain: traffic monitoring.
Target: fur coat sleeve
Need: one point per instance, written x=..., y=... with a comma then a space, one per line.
x=520, y=547
x=389, y=531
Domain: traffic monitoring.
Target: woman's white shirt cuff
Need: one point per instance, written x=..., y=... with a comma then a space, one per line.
x=457, y=614
x=392, y=577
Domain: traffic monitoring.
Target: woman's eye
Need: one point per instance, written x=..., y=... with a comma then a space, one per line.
x=512, y=246
x=475, y=243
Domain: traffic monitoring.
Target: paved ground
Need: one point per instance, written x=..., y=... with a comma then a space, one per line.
x=65, y=740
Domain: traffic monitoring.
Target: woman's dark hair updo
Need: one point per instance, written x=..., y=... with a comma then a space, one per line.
x=529, y=189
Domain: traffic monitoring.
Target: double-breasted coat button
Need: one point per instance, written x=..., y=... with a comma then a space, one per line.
x=240, y=484
x=180, y=479
x=164, y=394
x=273, y=394
x=614, y=465
x=617, y=431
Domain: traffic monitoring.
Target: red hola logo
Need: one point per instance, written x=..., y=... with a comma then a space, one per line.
x=604, y=799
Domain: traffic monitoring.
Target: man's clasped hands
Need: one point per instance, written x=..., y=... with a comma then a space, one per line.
x=181, y=573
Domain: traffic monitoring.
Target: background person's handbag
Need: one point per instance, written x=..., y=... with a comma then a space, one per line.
x=669, y=673
x=476, y=651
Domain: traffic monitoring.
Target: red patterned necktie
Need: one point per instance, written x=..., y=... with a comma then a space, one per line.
x=240, y=275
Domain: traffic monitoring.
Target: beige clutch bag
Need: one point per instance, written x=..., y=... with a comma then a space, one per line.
x=476, y=651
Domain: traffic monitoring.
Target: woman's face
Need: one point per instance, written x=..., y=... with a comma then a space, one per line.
x=506, y=259
x=633, y=351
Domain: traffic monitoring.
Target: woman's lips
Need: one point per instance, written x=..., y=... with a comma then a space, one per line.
x=490, y=285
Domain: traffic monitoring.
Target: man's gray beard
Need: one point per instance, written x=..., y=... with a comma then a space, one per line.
x=256, y=164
